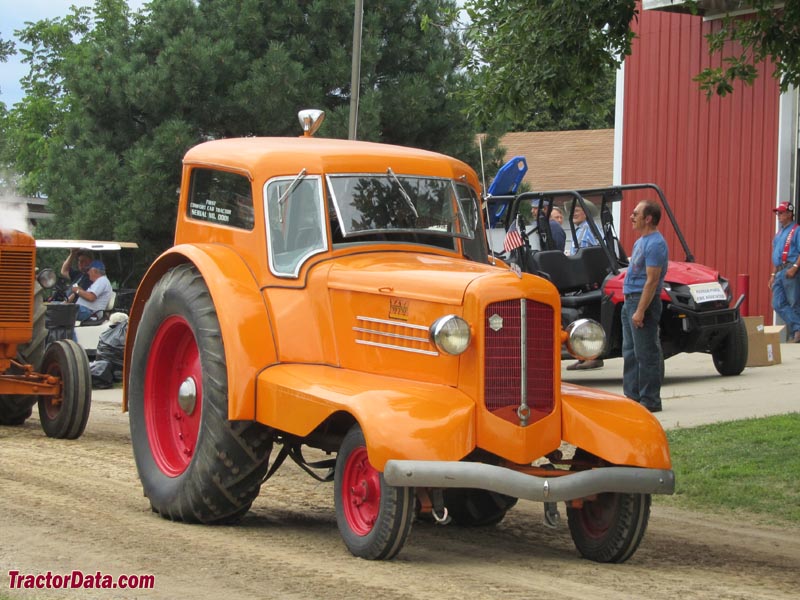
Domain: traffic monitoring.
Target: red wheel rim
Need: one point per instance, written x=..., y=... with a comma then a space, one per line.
x=598, y=515
x=361, y=492
x=173, y=396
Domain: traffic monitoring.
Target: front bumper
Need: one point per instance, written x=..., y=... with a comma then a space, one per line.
x=445, y=474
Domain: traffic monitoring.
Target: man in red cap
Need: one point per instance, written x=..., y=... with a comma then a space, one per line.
x=784, y=282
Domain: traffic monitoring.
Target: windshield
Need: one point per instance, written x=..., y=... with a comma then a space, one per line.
x=387, y=202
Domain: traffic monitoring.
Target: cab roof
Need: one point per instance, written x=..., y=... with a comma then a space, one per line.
x=263, y=158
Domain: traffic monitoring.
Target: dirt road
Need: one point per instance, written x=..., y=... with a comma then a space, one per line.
x=67, y=506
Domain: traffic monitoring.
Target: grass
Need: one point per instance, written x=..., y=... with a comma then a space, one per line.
x=750, y=466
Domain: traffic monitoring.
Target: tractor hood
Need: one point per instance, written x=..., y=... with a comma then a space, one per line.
x=684, y=273
x=678, y=274
x=425, y=277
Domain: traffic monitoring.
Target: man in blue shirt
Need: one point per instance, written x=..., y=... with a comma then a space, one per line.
x=784, y=282
x=643, y=363
x=582, y=230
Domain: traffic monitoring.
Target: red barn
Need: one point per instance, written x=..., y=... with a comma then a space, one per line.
x=723, y=163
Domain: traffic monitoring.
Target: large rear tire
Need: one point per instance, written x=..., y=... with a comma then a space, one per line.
x=730, y=357
x=65, y=417
x=374, y=518
x=15, y=409
x=194, y=464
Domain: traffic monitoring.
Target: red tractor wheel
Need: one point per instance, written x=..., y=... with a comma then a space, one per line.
x=194, y=464
x=374, y=518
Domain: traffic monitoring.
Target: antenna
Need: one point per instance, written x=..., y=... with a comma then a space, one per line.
x=485, y=203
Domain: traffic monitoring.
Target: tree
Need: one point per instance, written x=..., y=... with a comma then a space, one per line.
x=114, y=98
x=546, y=64
x=771, y=33
x=550, y=63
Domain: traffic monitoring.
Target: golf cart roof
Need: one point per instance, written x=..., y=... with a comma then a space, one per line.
x=93, y=245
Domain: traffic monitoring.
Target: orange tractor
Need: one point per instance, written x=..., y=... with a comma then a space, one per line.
x=339, y=295
x=55, y=375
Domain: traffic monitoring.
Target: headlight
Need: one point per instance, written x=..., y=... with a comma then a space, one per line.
x=586, y=339
x=450, y=334
x=46, y=278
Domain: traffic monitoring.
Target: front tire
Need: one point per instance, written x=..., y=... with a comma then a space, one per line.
x=730, y=357
x=610, y=528
x=194, y=464
x=374, y=518
x=65, y=417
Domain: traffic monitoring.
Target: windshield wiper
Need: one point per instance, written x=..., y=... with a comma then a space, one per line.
x=289, y=190
x=407, y=198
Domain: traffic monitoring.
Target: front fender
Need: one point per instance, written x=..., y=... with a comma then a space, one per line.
x=243, y=318
x=401, y=419
x=613, y=427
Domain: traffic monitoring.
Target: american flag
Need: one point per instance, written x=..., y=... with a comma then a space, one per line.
x=513, y=238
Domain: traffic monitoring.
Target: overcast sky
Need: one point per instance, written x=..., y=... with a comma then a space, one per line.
x=13, y=16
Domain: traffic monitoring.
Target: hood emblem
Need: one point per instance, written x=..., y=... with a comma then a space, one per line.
x=496, y=322
x=398, y=309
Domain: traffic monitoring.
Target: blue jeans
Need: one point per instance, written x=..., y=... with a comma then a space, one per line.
x=643, y=362
x=83, y=313
x=786, y=300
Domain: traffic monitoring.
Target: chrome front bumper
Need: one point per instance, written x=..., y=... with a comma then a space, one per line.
x=445, y=474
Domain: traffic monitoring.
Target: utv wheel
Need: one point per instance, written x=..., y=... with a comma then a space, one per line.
x=730, y=357
x=15, y=409
x=374, y=518
x=477, y=508
x=609, y=528
x=65, y=417
x=194, y=464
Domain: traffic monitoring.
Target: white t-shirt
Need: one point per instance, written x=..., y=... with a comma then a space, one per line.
x=100, y=288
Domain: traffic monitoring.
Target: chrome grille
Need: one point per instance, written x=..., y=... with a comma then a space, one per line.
x=394, y=335
x=505, y=366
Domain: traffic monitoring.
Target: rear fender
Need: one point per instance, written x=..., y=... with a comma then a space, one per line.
x=242, y=313
x=613, y=428
x=401, y=419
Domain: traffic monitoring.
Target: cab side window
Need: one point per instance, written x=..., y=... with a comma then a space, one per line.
x=296, y=226
x=222, y=198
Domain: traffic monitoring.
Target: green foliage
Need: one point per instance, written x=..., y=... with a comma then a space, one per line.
x=751, y=466
x=769, y=34
x=546, y=64
x=114, y=98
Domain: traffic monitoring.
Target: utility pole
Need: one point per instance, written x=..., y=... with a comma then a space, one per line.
x=355, y=70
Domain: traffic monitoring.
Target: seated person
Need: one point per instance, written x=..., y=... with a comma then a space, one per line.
x=95, y=299
x=582, y=230
x=79, y=276
x=557, y=231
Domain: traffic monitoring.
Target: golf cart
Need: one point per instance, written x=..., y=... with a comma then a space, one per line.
x=62, y=319
x=698, y=313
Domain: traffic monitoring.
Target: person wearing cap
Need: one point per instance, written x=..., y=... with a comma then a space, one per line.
x=93, y=301
x=784, y=281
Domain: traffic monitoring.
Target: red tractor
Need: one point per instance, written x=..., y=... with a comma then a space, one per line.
x=699, y=314
x=55, y=375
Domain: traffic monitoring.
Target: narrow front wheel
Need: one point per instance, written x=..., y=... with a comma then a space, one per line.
x=374, y=518
x=609, y=528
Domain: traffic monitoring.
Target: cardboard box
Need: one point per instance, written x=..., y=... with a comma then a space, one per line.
x=764, y=342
